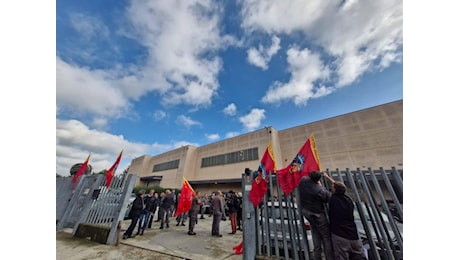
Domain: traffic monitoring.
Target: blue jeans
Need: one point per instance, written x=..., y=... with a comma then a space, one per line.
x=144, y=220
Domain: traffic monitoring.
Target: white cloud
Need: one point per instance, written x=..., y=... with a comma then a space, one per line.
x=306, y=68
x=230, y=110
x=261, y=56
x=182, y=39
x=359, y=36
x=158, y=115
x=75, y=140
x=187, y=121
x=252, y=120
x=99, y=123
x=212, y=137
x=88, y=27
x=84, y=91
x=231, y=134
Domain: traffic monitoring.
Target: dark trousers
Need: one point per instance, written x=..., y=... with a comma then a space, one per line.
x=239, y=218
x=193, y=219
x=131, y=227
x=216, y=218
x=321, y=236
x=345, y=249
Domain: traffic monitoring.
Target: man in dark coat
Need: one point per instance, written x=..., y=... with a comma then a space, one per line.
x=193, y=212
x=166, y=205
x=217, y=211
x=146, y=212
x=135, y=213
x=345, y=239
x=312, y=201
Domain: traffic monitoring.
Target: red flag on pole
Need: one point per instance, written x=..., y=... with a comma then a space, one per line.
x=185, y=199
x=111, y=172
x=306, y=161
x=80, y=172
x=259, y=185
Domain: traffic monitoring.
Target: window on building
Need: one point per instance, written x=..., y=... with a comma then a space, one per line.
x=166, y=166
x=233, y=157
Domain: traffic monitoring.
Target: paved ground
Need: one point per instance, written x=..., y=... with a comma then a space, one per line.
x=170, y=243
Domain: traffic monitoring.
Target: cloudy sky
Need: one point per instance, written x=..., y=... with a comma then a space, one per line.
x=150, y=76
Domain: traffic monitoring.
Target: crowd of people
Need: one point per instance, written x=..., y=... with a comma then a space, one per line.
x=218, y=205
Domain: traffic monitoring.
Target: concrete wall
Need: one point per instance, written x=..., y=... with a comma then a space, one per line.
x=368, y=138
x=371, y=137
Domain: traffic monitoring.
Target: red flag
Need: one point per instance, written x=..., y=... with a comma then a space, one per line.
x=111, y=172
x=80, y=172
x=266, y=167
x=306, y=161
x=185, y=199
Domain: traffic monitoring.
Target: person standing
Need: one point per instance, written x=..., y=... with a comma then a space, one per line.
x=344, y=234
x=166, y=204
x=239, y=212
x=182, y=217
x=216, y=206
x=193, y=212
x=146, y=212
x=134, y=214
x=232, y=204
x=160, y=209
x=312, y=201
x=156, y=203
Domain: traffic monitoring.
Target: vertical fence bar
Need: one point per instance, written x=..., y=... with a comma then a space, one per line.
x=249, y=223
x=380, y=227
x=124, y=200
x=359, y=207
x=387, y=211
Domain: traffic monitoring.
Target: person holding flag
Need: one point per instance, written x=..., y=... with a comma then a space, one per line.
x=313, y=197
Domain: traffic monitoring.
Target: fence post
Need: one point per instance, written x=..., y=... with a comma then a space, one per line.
x=249, y=221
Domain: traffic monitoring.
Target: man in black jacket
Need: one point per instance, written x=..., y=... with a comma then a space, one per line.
x=146, y=212
x=345, y=239
x=135, y=213
x=312, y=201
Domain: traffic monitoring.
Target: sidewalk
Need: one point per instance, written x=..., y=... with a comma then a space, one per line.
x=177, y=244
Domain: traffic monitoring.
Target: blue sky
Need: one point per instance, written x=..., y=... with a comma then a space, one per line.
x=150, y=76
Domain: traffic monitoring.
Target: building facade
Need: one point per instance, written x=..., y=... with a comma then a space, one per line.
x=371, y=137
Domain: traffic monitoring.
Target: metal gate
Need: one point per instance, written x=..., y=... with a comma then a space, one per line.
x=283, y=233
x=93, y=209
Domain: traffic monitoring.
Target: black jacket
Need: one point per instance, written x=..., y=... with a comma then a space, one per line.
x=149, y=202
x=167, y=201
x=232, y=204
x=312, y=196
x=341, y=217
x=136, y=209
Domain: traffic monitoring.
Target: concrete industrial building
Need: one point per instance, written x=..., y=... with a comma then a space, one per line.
x=371, y=137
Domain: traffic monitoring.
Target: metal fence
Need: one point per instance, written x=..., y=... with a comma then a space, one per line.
x=92, y=204
x=282, y=232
